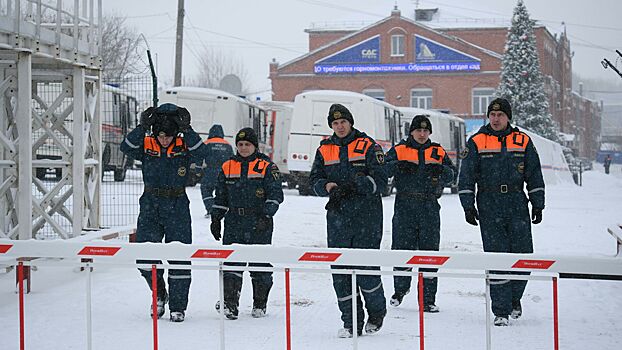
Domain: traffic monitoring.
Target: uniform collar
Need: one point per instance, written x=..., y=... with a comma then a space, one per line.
x=250, y=158
x=488, y=130
x=346, y=140
x=411, y=142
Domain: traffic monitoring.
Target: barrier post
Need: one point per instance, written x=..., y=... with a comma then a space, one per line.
x=154, y=305
x=89, y=320
x=221, y=292
x=355, y=326
x=488, y=307
x=20, y=276
x=555, y=316
x=420, y=290
x=288, y=330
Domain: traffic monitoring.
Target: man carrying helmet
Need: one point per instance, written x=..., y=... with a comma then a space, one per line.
x=166, y=145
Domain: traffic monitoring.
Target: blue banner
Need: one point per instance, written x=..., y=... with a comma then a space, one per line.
x=428, y=51
x=367, y=51
x=395, y=68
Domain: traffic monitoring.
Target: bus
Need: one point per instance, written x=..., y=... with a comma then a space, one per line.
x=309, y=126
x=277, y=128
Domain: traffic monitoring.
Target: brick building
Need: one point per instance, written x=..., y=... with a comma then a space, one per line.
x=409, y=63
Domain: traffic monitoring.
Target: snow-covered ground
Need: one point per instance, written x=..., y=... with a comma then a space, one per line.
x=575, y=221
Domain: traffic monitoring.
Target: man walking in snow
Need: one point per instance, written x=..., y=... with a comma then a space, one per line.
x=607, y=163
x=348, y=167
x=421, y=169
x=218, y=151
x=248, y=194
x=501, y=159
x=166, y=145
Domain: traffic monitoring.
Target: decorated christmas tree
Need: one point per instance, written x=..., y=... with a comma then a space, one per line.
x=521, y=80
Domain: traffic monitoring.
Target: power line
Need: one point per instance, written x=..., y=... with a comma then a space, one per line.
x=339, y=7
x=248, y=40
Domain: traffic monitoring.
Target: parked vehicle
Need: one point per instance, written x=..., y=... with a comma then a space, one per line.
x=378, y=119
x=277, y=128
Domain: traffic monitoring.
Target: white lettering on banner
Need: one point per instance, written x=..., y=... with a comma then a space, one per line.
x=427, y=260
x=369, y=53
x=5, y=248
x=309, y=256
x=99, y=251
x=212, y=253
x=533, y=264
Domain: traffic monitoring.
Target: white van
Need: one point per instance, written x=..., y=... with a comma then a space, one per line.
x=277, y=127
x=377, y=119
x=447, y=129
x=210, y=106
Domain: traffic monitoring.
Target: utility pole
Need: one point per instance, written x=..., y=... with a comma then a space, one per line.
x=179, y=42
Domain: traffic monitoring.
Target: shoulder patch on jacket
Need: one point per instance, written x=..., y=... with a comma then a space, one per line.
x=464, y=153
x=379, y=153
x=276, y=174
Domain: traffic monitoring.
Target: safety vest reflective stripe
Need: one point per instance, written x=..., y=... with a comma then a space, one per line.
x=516, y=141
x=330, y=153
x=357, y=150
x=256, y=169
x=152, y=147
x=216, y=140
x=433, y=154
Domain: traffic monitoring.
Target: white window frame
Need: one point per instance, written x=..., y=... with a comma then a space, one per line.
x=482, y=100
x=398, y=42
x=424, y=100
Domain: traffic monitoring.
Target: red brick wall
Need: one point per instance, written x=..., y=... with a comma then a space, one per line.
x=318, y=39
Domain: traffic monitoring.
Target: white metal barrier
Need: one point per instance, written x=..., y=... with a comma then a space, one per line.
x=286, y=259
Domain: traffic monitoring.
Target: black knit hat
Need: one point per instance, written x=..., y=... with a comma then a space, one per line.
x=500, y=104
x=247, y=134
x=339, y=111
x=165, y=125
x=420, y=121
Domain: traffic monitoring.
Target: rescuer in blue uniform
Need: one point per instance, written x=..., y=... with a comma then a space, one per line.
x=248, y=194
x=421, y=169
x=500, y=159
x=349, y=168
x=218, y=151
x=166, y=145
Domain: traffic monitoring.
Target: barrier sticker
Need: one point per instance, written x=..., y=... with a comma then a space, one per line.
x=99, y=251
x=5, y=248
x=311, y=256
x=533, y=264
x=427, y=260
x=212, y=253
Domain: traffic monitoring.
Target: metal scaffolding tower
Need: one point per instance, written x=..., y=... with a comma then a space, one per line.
x=49, y=117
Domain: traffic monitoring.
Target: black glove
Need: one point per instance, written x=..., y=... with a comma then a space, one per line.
x=436, y=170
x=536, y=216
x=471, y=216
x=215, y=228
x=182, y=119
x=147, y=118
x=262, y=223
x=339, y=194
x=407, y=167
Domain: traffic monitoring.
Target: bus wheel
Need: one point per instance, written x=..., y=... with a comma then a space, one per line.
x=40, y=173
x=454, y=189
x=119, y=174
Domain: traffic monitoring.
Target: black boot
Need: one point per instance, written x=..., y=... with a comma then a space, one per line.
x=261, y=290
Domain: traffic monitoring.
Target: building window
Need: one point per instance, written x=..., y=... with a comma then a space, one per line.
x=378, y=94
x=397, y=45
x=421, y=98
x=481, y=100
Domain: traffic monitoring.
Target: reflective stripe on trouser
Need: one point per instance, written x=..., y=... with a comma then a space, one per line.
x=509, y=235
x=369, y=286
x=178, y=283
x=401, y=284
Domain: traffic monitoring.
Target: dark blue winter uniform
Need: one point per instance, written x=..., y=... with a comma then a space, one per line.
x=248, y=194
x=420, y=172
x=355, y=222
x=164, y=206
x=500, y=163
x=218, y=151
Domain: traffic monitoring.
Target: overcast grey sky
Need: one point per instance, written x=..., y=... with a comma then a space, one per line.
x=258, y=31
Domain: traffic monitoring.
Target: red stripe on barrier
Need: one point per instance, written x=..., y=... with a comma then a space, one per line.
x=310, y=256
x=427, y=260
x=212, y=253
x=533, y=264
x=100, y=251
x=5, y=248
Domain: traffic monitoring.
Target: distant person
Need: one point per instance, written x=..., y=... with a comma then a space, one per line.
x=421, y=169
x=348, y=167
x=218, y=151
x=166, y=145
x=607, y=163
x=500, y=159
x=248, y=194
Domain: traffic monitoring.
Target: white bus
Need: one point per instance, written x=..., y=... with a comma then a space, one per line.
x=209, y=106
x=277, y=126
x=378, y=119
x=447, y=129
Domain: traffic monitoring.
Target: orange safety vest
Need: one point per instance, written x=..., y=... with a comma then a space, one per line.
x=216, y=140
x=153, y=148
x=516, y=141
x=357, y=150
x=432, y=154
x=256, y=169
